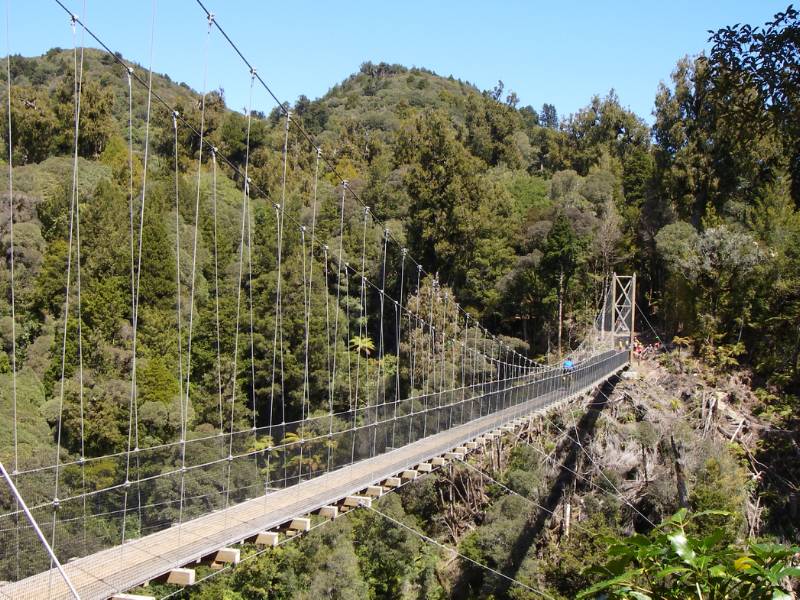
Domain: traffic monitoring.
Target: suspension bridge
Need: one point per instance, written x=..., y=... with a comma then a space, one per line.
x=440, y=385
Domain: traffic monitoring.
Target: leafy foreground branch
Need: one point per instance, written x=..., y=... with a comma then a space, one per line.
x=671, y=563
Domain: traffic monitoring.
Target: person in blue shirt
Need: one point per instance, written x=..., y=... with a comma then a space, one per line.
x=567, y=368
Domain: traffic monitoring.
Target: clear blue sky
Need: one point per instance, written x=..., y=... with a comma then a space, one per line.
x=560, y=52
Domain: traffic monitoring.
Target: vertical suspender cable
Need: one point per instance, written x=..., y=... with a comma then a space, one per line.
x=328, y=353
x=379, y=396
x=454, y=357
x=78, y=77
x=337, y=306
x=303, y=400
x=443, y=385
x=347, y=354
x=216, y=286
x=306, y=323
x=398, y=316
x=132, y=397
x=380, y=401
x=12, y=258
x=234, y=372
x=398, y=337
x=318, y=153
x=133, y=410
x=179, y=311
x=246, y=186
x=279, y=288
x=464, y=352
x=362, y=306
x=275, y=333
x=244, y=240
x=185, y=399
x=278, y=333
x=416, y=334
x=308, y=294
x=79, y=311
x=352, y=403
x=427, y=374
x=443, y=344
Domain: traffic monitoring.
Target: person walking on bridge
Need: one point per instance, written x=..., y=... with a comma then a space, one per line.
x=567, y=368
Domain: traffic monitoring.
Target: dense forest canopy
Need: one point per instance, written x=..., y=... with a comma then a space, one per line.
x=523, y=215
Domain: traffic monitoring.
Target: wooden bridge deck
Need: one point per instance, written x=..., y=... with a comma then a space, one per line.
x=101, y=575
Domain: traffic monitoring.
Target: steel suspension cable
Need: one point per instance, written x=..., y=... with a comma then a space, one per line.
x=348, y=354
x=398, y=310
x=185, y=397
x=325, y=272
x=133, y=405
x=337, y=306
x=248, y=453
x=48, y=548
x=246, y=186
x=328, y=352
x=362, y=306
x=180, y=117
x=507, y=489
x=380, y=350
x=216, y=288
x=577, y=441
x=132, y=396
x=244, y=239
x=234, y=386
x=12, y=282
x=306, y=300
x=278, y=333
x=298, y=125
x=77, y=83
x=455, y=552
x=179, y=311
x=311, y=274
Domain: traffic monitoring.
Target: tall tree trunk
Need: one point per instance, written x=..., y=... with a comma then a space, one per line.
x=683, y=495
x=525, y=329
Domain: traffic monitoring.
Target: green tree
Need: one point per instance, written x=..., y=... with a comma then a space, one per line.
x=549, y=116
x=33, y=125
x=671, y=563
x=96, y=121
x=446, y=194
x=562, y=254
x=765, y=60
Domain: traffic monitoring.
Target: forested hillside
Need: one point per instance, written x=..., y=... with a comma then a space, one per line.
x=523, y=214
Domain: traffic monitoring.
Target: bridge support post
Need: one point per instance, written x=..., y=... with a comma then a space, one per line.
x=623, y=312
x=228, y=555
x=329, y=512
x=374, y=491
x=267, y=538
x=300, y=524
x=614, y=309
x=182, y=577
